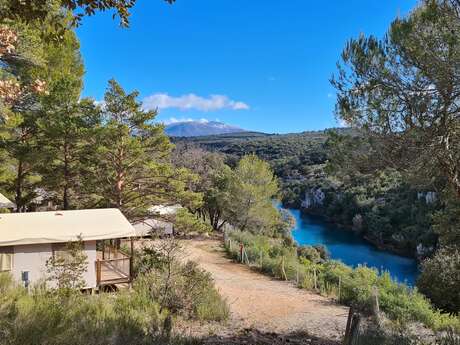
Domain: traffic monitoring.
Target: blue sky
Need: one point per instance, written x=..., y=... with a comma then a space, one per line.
x=262, y=65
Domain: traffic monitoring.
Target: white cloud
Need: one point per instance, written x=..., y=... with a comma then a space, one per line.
x=192, y=101
x=342, y=122
x=176, y=120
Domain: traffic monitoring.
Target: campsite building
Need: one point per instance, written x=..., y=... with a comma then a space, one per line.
x=159, y=223
x=6, y=203
x=28, y=240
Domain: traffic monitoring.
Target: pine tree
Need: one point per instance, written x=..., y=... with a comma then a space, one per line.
x=134, y=167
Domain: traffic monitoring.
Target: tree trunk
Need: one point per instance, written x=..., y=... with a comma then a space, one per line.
x=65, y=197
x=18, y=196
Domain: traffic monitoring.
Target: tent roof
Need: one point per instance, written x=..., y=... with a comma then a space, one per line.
x=63, y=226
x=145, y=227
x=163, y=210
x=5, y=202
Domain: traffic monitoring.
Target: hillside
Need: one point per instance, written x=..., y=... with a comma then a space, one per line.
x=290, y=154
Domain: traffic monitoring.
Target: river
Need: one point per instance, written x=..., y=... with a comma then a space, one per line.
x=350, y=248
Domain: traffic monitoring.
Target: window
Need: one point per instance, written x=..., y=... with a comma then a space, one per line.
x=6, y=259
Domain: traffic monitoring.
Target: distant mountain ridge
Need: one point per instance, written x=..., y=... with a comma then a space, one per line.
x=200, y=128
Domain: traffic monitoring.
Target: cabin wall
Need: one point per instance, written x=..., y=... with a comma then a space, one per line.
x=33, y=257
x=90, y=274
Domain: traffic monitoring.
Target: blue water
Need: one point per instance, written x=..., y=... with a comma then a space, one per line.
x=350, y=248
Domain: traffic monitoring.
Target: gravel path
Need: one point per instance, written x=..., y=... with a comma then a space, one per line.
x=259, y=302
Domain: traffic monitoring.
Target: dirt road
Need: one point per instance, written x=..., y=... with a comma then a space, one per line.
x=259, y=302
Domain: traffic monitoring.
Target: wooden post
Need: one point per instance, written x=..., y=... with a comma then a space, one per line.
x=282, y=269
x=375, y=304
x=347, y=328
x=241, y=252
x=103, y=249
x=98, y=272
x=340, y=287
x=230, y=245
x=261, y=259
x=131, y=260
x=297, y=274
x=314, y=278
x=352, y=328
x=131, y=266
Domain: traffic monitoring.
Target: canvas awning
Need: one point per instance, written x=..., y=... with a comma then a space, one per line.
x=63, y=226
x=5, y=202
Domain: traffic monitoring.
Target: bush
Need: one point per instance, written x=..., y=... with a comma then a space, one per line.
x=440, y=279
x=310, y=253
x=180, y=288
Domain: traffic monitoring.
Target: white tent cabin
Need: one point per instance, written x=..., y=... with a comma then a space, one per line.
x=6, y=203
x=155, y=224
x=28, y=240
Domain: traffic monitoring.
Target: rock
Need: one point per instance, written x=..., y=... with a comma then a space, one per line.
x=357, y=222
x=313, y=197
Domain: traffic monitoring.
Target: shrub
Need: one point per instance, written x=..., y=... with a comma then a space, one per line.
x=440, y=279
x=180, y=288
x=310, y=253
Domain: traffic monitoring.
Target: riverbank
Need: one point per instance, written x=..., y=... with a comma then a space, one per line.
x=350, y=248
x=343, y=227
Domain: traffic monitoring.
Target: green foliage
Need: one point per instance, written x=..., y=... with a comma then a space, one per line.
x=134, y=154
x=446, y=222
x=251, y=190
x=186, y=222
x=65, y=268
x=40, y=9
x=129, y=317
x=213, y=183
x=402, y=90
x=440, y=279
x=180, y=288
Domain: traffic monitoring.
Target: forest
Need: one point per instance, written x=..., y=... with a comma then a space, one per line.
x=385, y=209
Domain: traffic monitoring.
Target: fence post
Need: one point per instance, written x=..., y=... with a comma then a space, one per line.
x=297, y=274
x=375, y=304
x=230, y=245
x=340, y=288
x=352, y=329
x=314, y=278
x=261, y=259
x=241, y=252
x=98, y=272
x=347, y=328
x=282, y=269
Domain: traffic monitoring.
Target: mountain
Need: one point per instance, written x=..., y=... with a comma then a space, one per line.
x=199, y=128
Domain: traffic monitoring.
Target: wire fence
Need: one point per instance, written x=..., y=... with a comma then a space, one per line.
x=286, y=268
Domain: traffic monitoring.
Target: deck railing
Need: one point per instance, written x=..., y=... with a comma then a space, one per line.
x=113, y=267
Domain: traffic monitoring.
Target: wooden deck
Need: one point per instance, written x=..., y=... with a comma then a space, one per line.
x=112, y=269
